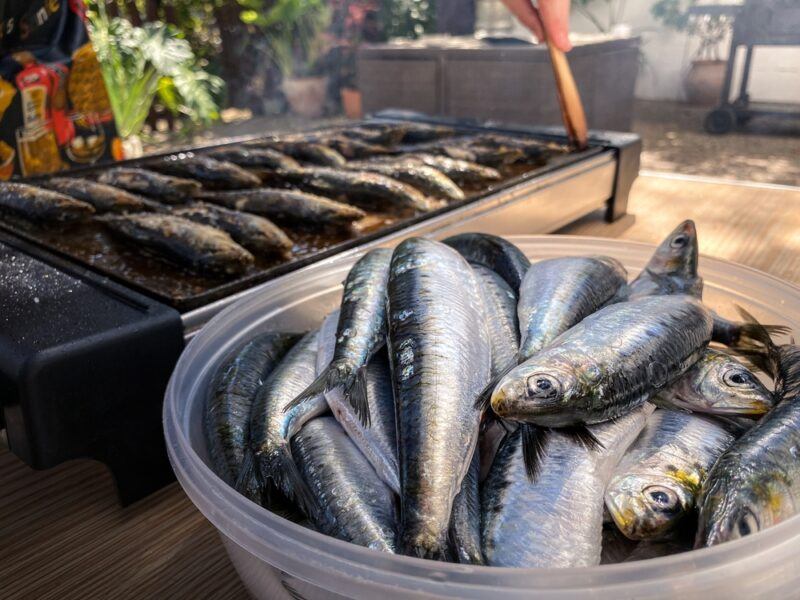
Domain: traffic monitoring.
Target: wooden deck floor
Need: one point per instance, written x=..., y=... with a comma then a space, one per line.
x=62, y=534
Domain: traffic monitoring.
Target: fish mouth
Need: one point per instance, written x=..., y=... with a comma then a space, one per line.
x=498, y=398
x=756, y=408
x=688, y=227
x=624, y=519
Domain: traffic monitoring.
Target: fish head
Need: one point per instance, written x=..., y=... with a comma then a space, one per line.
x=725, y=386
x=677, y=255
x=537, y=392
x=741, y=502
x=646, y=506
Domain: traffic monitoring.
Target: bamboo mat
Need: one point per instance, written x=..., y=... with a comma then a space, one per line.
x=62, y=534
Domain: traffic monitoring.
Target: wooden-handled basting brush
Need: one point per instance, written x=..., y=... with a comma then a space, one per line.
x=569, y=99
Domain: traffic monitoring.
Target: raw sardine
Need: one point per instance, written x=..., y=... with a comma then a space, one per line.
x=755, y=484
x=656, y=484
x=557, y=521
x=361, y=331
x=609, y=363
x=354, y=504
x=272, y=427
x=718, y=384
x=559, y=293
x=600, y=369
x=441, y=358
x=500, y=302
x=492, y=252
x=227, y=414
x=554, y=295
x=193, y=245
x=672, y=268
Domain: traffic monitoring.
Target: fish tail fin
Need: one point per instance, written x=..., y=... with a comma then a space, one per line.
x=788, y=383
x=357, y=396
x=744, y=334
x=339, y=374
x=756, y=345
x=280, y=468
x=534, y=440
x=248, y=482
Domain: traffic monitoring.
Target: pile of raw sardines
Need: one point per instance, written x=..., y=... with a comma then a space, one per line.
x=213, y=212
x=466, y=405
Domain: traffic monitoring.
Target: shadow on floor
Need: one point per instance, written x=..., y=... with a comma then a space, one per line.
x=765, y=150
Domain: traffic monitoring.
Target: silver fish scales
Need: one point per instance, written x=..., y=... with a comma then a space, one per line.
x=440, y=355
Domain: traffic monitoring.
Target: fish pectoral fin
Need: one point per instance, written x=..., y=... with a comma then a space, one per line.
x=337, y=375
x=580, y=434
x=534, y=441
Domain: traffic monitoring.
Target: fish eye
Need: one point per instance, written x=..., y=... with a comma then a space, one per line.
x=543, y=386
x=737, y=377
x=679, y=241
x=662, y=498
x=748, y=523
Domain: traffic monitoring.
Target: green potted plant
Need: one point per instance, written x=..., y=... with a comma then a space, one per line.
x=706, y=74
x=141, y=64
x=293, y=33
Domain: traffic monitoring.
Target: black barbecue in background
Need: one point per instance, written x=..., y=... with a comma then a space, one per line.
x=86, y=351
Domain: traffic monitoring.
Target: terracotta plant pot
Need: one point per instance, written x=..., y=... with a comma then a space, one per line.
x=306, y=95
x=703, y=83
x=351, y=103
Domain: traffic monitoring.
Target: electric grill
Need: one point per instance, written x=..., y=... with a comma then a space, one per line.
x=86, y=350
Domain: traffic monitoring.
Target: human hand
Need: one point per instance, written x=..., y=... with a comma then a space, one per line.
x=549, y=19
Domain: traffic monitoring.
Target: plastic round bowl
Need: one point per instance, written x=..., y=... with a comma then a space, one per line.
x=277, y=558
